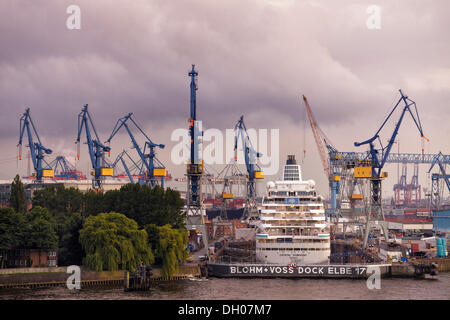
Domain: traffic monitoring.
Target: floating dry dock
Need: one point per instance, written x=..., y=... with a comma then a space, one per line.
x=338, y=271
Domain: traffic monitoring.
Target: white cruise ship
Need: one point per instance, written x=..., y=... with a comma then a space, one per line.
x=292, y=226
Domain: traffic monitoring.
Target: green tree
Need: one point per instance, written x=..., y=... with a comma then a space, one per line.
x=12, y=227
x=58, y=199
x=93, y=203
x=41, y=234
x=18, y=198
x=147, y=205
x=113, y=241
x=169, y=245
x=64, y=204
x=70, y=250
x=176, y=216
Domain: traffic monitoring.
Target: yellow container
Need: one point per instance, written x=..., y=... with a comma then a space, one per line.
x=106, y=171
x=48, y=173
x=159, y=172
x=259, y=175
x=227, y=195
x=337, y=178
x=357, y=196
x=363, y=172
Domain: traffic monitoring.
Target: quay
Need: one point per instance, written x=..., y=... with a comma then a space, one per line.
x=57, y=277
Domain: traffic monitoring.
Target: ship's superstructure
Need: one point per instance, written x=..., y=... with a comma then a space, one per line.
x=292, y=226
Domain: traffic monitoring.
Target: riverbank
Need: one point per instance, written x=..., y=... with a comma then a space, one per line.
x=235, y=289
x=55, y=277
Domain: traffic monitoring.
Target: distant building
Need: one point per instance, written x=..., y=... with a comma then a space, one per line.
x=29, y=258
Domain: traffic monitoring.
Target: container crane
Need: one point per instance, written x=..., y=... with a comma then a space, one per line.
x=153, y=167
x=253, y=170
x=374, y=170
x=97, y=150
x=37, y=150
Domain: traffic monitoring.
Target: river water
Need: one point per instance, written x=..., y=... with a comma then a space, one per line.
x=254, y=289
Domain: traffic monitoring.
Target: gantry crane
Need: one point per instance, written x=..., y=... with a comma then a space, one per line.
x=373, y=170
x=400, y=188
x=441, y=160
x=152, y=166
x=37, y=150
x=229, y=176
x=253, y=170
x=97, y=150
x=63, y=169
x=127, y=170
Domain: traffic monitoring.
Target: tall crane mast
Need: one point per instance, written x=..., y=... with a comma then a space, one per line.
x=153, y=166
x=374, y=171
x=37, y=150
x=324, y=146
x=253, y=170
x=320, y=138
x=97, y=150
x=195, y=170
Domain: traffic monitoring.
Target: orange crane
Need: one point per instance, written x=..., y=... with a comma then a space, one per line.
x=321, y=139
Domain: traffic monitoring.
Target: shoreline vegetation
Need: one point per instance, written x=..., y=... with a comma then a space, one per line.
x=101, y=231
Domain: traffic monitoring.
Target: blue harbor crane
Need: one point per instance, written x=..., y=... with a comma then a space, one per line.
x=253, y=170
x=152, y=166
x=63, y=169
x=195, y=165
x=37, y=150
x=372, y=167
x=127, y=170
x=441, y=160
x=195, y=218
x=435, y=194
x=97, y=150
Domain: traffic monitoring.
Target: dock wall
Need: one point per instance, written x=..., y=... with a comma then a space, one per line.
x=48, y=277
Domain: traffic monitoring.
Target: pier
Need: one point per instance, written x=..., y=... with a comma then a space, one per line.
x=57, y=277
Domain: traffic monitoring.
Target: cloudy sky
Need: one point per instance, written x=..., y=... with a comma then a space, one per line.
x=254, y=57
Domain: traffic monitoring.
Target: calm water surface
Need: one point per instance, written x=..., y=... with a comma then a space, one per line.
x=257, y=289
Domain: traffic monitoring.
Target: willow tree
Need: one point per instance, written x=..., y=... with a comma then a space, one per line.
x=112, y=241
x=170, y=247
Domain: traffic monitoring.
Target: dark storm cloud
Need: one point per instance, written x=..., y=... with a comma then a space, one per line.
x=254, y=57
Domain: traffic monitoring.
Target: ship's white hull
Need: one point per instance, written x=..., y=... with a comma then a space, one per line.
x=285, y=257
x=292, y=226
